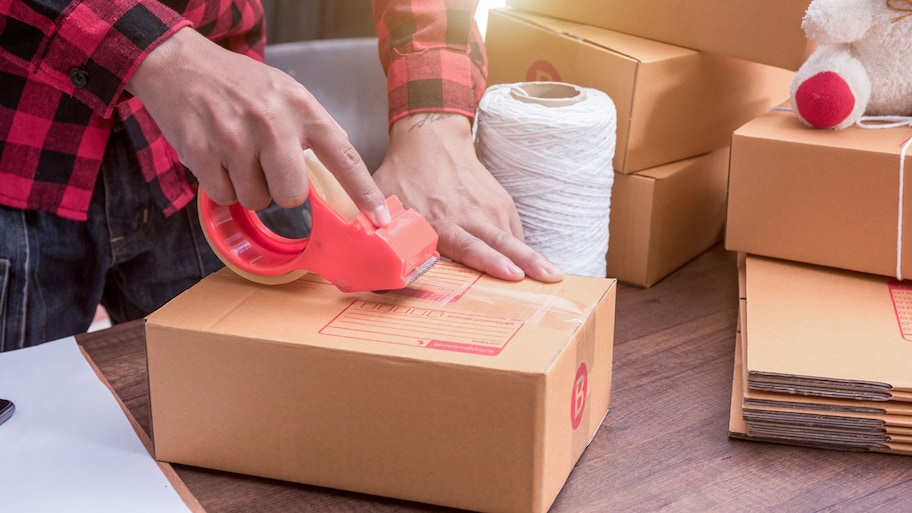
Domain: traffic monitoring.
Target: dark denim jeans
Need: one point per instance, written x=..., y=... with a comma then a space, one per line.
x=127, y=256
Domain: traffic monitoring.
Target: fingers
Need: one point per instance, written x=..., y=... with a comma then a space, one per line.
x=243, y=133
x=516, y=225
x=215, y=181
x=498, y=253
x=336, y=152
x=284, y=165
x=238, y=175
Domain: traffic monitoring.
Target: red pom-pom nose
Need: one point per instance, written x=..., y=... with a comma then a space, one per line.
x=824, y=100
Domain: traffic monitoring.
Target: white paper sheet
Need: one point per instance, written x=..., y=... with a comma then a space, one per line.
x=69, y=447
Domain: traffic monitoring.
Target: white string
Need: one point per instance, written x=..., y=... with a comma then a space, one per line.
x=556, y=163
x=879, y=122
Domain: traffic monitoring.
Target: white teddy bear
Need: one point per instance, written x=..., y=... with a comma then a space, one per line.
x=860, y=66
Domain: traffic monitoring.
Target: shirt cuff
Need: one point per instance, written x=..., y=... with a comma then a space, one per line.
x=436, y=80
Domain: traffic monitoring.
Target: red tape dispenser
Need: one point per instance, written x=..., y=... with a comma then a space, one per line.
x=343, y=247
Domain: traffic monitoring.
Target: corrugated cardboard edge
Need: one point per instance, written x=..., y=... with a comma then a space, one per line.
x=165, y=467
x=737, y=428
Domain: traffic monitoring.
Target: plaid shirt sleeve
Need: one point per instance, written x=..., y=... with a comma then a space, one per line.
x=64, y=65
x=433, y=56
x=86, y=49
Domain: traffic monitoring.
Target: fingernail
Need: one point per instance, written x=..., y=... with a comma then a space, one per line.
x=381, y=216
x=552, y=270
x=514, y=269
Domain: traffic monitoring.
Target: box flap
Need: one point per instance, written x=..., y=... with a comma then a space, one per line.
x=635, y=48
x=768, y=32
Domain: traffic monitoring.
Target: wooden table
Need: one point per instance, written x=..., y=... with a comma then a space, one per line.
x=663, y=447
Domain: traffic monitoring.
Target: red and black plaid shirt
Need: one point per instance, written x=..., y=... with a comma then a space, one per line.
x=64, y=66
x=434, y=62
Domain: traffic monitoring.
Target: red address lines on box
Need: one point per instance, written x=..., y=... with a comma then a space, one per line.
x=423, y=327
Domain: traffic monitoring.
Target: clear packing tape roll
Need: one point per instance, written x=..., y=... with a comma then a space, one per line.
x=551, y=146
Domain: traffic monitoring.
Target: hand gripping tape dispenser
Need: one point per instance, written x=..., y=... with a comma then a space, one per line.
x=343, y=247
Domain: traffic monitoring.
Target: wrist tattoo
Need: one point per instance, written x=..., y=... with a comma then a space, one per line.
x=432, y=117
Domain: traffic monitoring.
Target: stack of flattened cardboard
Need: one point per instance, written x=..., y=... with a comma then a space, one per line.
x=824, y=352
x=678, y=103
x=842, y=424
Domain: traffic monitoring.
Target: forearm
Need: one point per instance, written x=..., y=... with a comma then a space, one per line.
x=433, y=129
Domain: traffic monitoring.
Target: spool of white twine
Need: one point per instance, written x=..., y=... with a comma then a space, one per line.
x=551, y=145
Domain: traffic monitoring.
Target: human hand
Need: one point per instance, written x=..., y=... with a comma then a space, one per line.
x=432, y=167
x=241, y=126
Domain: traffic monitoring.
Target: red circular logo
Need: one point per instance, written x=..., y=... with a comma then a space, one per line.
x=542, y=71
x=578, y=396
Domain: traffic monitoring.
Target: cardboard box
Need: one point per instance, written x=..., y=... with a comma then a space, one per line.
x=461, y=390
x=663, y=217
x=819, y=196
x=672, y=103
x=768, y=32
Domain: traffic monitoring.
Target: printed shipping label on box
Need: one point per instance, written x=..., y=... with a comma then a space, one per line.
x=823, y=197
x=663, y=217
x=460, y=390
x=448, y=331
x=768, y=32
x=672, y=103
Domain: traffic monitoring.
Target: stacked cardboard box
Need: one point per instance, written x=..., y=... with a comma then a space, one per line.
x=824, y=197
x=677, y=109
x=825, y=342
